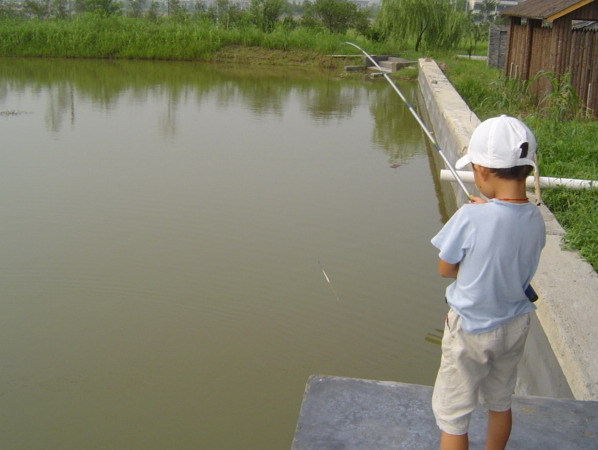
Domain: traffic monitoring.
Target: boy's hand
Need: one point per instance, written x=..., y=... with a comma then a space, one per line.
x=476, y=200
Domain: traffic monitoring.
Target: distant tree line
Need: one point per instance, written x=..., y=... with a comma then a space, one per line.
x=430, y=24
x=334, y=15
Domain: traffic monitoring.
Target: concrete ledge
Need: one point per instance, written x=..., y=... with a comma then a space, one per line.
x=566, y=284
x=567, y=309
x=452, y=120
x=476, y=57
x=345, y=413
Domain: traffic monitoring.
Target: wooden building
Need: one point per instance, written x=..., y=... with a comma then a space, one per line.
x=557, y=36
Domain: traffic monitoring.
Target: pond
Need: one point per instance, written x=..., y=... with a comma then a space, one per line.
x=184, y=244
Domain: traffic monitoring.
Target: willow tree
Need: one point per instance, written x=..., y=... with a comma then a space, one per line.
x=265, y=13
x=439, y=24
x=336, y=15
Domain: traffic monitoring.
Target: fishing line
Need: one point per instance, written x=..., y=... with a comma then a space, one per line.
x=417, y=118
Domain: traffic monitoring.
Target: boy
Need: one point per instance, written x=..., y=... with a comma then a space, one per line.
x=492, y=249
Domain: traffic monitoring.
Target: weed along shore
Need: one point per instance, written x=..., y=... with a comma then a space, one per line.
x=125, y=38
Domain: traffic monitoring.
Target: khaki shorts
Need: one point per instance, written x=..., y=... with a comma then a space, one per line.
x=476, y=368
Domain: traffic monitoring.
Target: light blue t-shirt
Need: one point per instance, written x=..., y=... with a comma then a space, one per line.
x=497, y=245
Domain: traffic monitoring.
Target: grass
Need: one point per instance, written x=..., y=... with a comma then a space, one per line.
x=114, y=37
x=568, y=149
x=483, y=88
x=92, y=36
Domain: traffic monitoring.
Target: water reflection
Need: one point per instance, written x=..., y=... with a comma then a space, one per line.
x=390, y=133
x=264, y=91
x=184, y=244
x=60, y=107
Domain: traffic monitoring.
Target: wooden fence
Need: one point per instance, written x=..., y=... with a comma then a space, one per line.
x=558, y=49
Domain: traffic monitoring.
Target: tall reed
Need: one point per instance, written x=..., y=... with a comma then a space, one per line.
x=94, y=36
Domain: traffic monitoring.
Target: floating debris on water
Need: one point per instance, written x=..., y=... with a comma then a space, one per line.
x=328, y=280
x=435, y=339
x=13, y=113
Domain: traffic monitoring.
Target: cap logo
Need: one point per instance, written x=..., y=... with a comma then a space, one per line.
x=524, y=148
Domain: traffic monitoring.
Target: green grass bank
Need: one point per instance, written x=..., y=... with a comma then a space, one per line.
x=93, y=36
x=567, y=144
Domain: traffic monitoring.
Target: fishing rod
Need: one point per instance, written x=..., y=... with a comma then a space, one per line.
x=417, y=118
x=529, y=291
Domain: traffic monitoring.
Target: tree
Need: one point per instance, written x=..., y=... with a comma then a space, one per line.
x=37, y=9
x=335, y=15
x=225, y=13
x=265, y=13
x=176, y=9
x=200, y=7
x=488, y=9
x=476, y=32
x=59, y=9
x=152, y=11
x=104, y=7
x=136, y=8
x=435, y=23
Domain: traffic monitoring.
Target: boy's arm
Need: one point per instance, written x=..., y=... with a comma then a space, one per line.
x=447, y=270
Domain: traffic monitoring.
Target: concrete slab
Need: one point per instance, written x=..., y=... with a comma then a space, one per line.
x=400, y=60
x=348, y=413
x=368, y=63
x=475, y=57
x=394, y=63
x=354, y=68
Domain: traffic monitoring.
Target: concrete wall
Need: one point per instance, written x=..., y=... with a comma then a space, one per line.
x=561, y=358
x=497, y=46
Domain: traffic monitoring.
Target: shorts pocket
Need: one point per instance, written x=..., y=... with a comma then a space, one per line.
x=452, y=322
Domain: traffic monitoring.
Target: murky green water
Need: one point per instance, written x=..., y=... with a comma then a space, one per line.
x=165, y=232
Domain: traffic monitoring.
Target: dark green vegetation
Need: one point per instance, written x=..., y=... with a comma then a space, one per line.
x=171, y=30
x=435, y=24
x=569, y=149
x=93, y=36
x=280, y=33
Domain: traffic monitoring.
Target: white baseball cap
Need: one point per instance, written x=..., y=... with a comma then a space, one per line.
x=500, y=143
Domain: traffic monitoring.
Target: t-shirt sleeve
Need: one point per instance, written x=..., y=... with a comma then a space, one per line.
x=454, y=238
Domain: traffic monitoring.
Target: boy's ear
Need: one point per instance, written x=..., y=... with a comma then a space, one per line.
x=484, y=172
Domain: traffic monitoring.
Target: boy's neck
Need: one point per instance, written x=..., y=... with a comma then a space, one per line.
x=508, y=190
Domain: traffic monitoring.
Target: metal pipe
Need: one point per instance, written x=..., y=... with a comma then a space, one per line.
x=588, y=98
x=417, y=118
x=545, y=182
